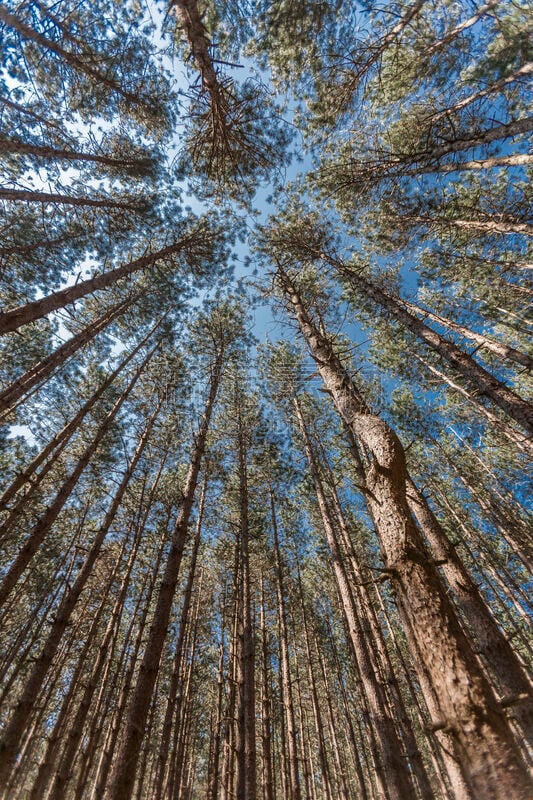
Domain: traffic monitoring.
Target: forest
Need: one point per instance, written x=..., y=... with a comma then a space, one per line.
x=266, y=400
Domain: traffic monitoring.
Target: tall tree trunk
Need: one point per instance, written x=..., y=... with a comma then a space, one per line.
x=124, y=774
x=73, y=60
x=60, y=154
x=288, y=703
x=378, y=649
x=500, y=349
x=66, y=432
x=171, y=709
x=23, y=710
x=266, y=705
x=29, y=196
x=394, y=776
x=494, y=647
x=485, y=746
x=513, y=405
x=214, y=778
x=43, y=525
x=42, y=372
x=14, y=319
x=246, y=778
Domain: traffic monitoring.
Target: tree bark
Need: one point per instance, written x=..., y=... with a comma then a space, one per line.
x=288, y=703
x=485, y=746
x=41, y=372
x=394, y=776
x=43, y=525
x=124, y=774
x=14, y=319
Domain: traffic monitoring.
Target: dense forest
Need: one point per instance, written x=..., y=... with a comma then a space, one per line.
x=265, y=367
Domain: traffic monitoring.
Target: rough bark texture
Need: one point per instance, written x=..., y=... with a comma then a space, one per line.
x=484, y=744
x=493, y=645
x=288, y=704
x=395, y=779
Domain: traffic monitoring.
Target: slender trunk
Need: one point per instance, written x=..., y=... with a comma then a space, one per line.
x=341, y=780
x=63, y=436
x=43, y=525
x=500, y=349
x=246, y=778
x=53, y=153
x=266, y=704
x=476, y=164
x=513, y=405
x=214, y=782
x=124, y=774
x=319, y=727
x=518, y=438
x=485, y=746
x=288, y=703
x=29, y=196
x=42, y=372
x=506, y=227
x=228, y=765
x=356, y=744
x=178, y=654
x=18, y=722
x=393, y=776
x=183, y=706
x=73, y=60
x=14, y=319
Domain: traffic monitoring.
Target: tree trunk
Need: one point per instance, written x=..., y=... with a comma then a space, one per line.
x=394, y=777
x=30, y=196
x=63, y=436
x=170, y=710
x=493, y=645
x=74, y=61
x=288, y=703
x=43, y=525
x=513, y=405
x=14, y=319
x=42, y=372
x=485, y=746
x=266, y=705
x=53, y=153
x=17, y=724
x=124, y=773
x=246, y=778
